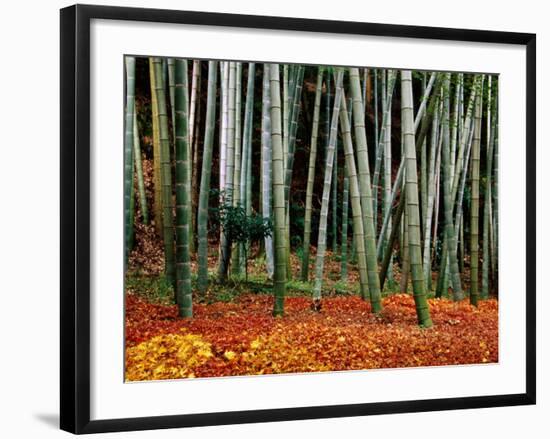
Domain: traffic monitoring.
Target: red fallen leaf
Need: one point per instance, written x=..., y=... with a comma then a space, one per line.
x=344, y=336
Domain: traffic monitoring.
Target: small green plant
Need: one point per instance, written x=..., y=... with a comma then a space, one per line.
x=298, y=286
x=155, y=289
x=344, y=288
x=240, y=228
x=225, y=296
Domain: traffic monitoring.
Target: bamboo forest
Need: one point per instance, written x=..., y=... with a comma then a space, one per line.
x=284, y=218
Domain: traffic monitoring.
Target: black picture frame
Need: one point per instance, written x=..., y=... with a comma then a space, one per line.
x=75, y=217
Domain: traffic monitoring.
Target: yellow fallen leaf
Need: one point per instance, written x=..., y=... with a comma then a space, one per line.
x=229, y=355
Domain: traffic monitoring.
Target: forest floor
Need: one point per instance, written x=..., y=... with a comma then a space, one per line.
x=233, y=332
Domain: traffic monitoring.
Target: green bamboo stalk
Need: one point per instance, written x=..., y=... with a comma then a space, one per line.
x=293, y=126
x=491, y=122
x=495, y=202
x=224, y=76
x=405, y=264
x=420, y=137
x=202, y=220
x=426, y=90
x=183, y=191
x=230, y=157
x=345, y=215
x=225, y=244
x=376, y=150
x=248, y=204
x=462, y=246
x=397, y=186
x=364, y=89
x=357, y=212
x=237, y=253
x=128, y=154
x=131, y=242
x=311, y=176
x=266, y=166
x=157, y=199
x=396, y=223
x=295, y=95
x=431, y=188
x=454, y=123
x=387, y=157
x=194, y=124
x=436, y=213
x=334, y=200
x=465, y=134
x=424, y=101
x=460, y=196
x=424, y=192
x=447, y=194
x=425, y=118
x=474, y=210
x=279, y=276
x=328, y=106
x=170, y=66
x=246, y=182
x=322, y=236
x=139, y=173
x=344, y=246
x=286, y=112
x=195, y=98
x=411, y=188
x=382, y=143
x=166, y=176
x=365, y=189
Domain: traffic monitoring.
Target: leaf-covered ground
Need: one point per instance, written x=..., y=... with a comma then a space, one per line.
x=242, y=338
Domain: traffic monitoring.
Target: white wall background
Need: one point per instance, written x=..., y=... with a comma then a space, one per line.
x=29, y=218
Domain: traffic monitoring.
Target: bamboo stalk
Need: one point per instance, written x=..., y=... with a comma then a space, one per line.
x=266, y=166
x=491, y=123
x=183, y=191
x=411, y=187
x=202, y=220
x=166, y=174
x=474, y=211
x=139, y=173
x=365, y=190
x=128, y=154
x=311, y=176
x=157, y=199
x=329, y=163
x=279, y=281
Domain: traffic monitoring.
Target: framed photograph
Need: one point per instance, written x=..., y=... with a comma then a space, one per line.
x=276, y=218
